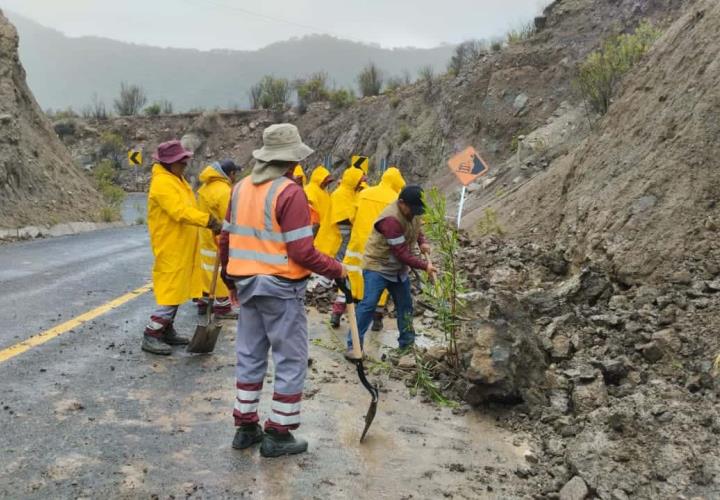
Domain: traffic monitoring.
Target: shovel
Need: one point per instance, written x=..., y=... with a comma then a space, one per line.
x=206, y=335
x=357, y=356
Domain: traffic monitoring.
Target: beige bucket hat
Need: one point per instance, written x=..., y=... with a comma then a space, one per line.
x=282, y=142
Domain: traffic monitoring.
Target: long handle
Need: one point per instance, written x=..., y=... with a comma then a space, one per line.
x=213, y=285
x=350, y=305
x=354, y=334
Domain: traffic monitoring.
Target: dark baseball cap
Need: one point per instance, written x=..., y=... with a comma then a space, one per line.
x=228, y=166
x=412, y=196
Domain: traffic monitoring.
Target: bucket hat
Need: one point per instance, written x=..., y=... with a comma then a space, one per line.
x=282, y=142
x=170, y=152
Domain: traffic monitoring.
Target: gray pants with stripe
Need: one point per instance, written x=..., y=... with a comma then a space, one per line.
x=263, y=323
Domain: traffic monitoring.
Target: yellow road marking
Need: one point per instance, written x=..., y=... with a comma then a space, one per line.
x=41, y=338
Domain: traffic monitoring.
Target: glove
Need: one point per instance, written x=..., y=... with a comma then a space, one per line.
x=214, y=225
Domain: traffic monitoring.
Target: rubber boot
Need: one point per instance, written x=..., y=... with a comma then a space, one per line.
x=155, y=345
x=171, y=337
x=277, y=444
x=246, y=436
x=335, y=320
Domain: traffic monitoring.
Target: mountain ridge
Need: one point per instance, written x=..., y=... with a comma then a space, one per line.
x=96, y=65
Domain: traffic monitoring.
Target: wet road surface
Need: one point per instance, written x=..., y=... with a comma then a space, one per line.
x=89, y=415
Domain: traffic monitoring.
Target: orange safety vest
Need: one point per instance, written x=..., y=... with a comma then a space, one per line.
x=257, y=243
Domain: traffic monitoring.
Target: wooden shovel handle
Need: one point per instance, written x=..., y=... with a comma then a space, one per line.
x=345, y=288
x=354, y=333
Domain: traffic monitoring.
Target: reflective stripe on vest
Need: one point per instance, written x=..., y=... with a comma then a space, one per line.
x=257, y=243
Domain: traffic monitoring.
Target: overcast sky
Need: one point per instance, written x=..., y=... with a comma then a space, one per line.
x=250, y=24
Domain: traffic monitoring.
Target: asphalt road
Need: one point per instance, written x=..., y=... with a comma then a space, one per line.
x=87, y=414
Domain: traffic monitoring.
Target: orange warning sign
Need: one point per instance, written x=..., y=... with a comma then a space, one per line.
x=468, y=166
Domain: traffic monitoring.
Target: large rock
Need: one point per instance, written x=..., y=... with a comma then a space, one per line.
x=507, y=361
x=575, y=489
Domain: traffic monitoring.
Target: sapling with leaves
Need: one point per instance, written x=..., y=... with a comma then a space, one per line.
x=444, y=292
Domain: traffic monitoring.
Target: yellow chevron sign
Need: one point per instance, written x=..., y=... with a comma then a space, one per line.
x=135, y=157
x=361, y=162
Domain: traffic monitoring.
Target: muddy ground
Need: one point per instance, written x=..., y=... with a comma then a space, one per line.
x=89, y=415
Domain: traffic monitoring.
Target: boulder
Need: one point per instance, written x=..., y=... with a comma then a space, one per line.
x=575, y=489
x=588, y=396
x=507, y=360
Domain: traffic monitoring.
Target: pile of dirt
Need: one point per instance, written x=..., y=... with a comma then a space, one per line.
x=39, y=183
x=614, y=381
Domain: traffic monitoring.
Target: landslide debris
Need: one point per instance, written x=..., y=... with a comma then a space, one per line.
x=39, y=183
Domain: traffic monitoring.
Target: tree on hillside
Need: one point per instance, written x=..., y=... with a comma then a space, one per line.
x=131, y=100
x=370, y=80
x=270, y=93
x=311, y=89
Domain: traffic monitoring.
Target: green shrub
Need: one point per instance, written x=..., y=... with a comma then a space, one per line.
x=109, y=213
x=496, y=46
x=312, y=89
x=270, y=93
x=602, y=70
x=426, y=76
x=342, y=98
x=106, y=176
x=488, y=224
x=521, y=33
x=370, y=80
x=152, y=110
x=131, y=99
x=112, y=146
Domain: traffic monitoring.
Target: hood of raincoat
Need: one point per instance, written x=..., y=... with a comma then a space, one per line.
x=343, y=198
x=213, y=172
x=299, y=172
x=319, y=175
x=393, y=179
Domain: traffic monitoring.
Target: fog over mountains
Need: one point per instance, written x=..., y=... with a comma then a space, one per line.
x=64, y=71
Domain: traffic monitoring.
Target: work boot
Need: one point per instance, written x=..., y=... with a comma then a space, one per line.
x=171, y=337
x=377, y=324
x=277, y=444
x=335, y=320
x=246, y=436
x=155, y=345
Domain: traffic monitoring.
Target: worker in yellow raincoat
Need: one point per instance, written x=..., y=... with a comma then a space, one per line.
x=173, y=222
x=213, y=196
x=333, y=237
x=318, y=196
x=299, y=176
x=370, y=204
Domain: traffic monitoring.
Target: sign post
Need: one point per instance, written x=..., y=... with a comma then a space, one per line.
x=467, y=166
x=135, y=158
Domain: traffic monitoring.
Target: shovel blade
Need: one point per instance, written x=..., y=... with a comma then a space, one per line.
x=369, y=417
x=204, y=339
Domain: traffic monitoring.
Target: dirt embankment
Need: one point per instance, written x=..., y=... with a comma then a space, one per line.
x=39, y=183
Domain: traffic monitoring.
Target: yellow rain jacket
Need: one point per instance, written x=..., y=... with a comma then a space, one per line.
x=342, y=207
x=213, y=198
x=299, y=172
x=318, y=198
x=173, y=222
x=370, y=204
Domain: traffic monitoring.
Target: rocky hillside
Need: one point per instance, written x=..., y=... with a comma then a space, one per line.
x=39, y=182
x=640, y=195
